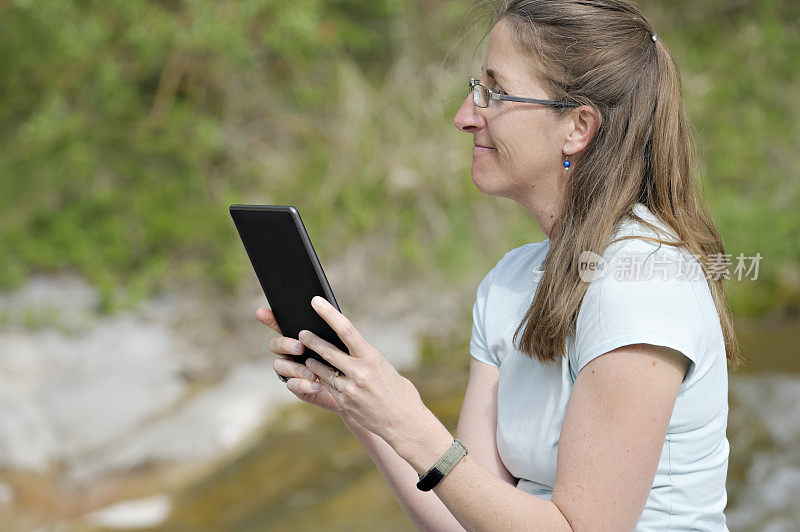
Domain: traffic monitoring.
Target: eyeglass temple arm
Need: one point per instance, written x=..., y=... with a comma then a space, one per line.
x=554, y=103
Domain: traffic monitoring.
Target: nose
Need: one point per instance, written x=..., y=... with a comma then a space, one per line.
x=468, y=118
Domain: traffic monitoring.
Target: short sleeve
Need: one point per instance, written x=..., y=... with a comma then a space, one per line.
x=641, y=296
x=478, y=344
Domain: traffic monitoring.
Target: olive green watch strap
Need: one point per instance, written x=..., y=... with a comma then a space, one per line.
x=443, y=466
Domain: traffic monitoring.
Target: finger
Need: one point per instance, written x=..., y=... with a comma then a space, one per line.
x=283, y=345
x=323, y=371
x=335, y=393
x=332, y=354
x=291, y=369
x=303, y=387
x=266, y=317
x=355, y=343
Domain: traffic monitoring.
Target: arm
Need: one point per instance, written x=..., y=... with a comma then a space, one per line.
x=477, y=425
x=424, y=509
x=611, y=440
x=612, y=436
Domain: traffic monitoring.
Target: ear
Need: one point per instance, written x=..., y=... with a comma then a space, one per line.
x=582, y=125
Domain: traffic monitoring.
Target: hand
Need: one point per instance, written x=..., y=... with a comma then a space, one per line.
x=369, y=389
x=302, y=381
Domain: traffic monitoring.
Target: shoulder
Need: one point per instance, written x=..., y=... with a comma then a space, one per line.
x=643, y=222
x=530, y=255
x=501, y=289
x=644, y=242
x=527, y=256
x=642, y=292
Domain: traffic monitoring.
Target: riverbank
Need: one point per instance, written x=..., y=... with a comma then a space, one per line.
x=173, y=410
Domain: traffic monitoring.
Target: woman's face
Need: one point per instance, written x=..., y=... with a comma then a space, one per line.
x=518, y=146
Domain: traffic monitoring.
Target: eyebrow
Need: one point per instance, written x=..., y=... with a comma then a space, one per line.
x=492, y=73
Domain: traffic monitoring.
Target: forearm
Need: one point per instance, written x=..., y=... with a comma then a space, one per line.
x=424, y=509
x=473, y=495
x=481, y=501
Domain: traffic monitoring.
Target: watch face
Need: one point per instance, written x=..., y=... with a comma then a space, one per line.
x=430, y=479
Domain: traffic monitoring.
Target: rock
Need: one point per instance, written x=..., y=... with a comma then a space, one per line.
x=67, y=395
x=205, y=426
x=65, y=298
x=6, y=495
x=107, y=394
x=137, y=513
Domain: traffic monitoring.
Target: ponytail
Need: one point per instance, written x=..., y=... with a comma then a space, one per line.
x=670, y=144
x=671, y=190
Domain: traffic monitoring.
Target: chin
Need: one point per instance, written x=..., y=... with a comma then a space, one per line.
x=489, y=183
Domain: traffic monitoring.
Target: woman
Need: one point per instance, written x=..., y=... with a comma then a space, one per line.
x=597, y=394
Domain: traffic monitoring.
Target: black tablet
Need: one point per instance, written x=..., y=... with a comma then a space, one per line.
x=288, y=269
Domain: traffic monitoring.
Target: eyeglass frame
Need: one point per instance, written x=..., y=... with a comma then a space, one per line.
x=475, y=82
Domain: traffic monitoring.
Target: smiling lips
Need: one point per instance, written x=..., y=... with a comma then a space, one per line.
x=484, y=147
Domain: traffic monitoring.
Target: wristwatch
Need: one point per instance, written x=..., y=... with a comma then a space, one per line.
x=443, y=466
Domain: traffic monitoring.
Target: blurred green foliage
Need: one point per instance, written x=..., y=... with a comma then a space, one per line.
x=740, y=62
x=127, y=128
x=121, y=141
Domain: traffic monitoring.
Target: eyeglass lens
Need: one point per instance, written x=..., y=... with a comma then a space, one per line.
x=480, y=94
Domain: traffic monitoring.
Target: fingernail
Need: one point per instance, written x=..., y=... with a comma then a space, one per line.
x=309, y=374
x=315, y=386
x=298, y=348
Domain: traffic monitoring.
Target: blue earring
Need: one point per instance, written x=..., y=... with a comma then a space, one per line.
x=566, y=164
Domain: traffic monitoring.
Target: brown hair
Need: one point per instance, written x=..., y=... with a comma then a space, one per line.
x=602, y=53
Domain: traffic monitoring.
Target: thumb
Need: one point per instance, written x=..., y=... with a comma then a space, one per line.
x=266, y=317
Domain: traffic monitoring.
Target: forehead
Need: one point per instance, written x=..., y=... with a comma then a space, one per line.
x=504, y=56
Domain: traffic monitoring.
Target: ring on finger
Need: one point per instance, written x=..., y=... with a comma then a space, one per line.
x=336, y=373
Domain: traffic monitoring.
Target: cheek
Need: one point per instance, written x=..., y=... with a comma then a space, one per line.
x=526, y=146
x=515, y=138
x=517, y=157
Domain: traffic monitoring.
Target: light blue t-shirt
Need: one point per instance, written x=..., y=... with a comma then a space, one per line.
x=640, y=294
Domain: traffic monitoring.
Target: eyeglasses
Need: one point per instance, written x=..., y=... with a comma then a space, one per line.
x=483, y=96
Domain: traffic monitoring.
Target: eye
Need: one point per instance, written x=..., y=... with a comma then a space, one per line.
x=497, y=89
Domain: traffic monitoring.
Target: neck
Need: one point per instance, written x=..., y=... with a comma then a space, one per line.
x=543, y=205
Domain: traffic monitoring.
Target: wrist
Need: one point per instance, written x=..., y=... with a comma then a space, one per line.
x=349, y=422
x=443, y=466
x=357, y=429
x=423, y=446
